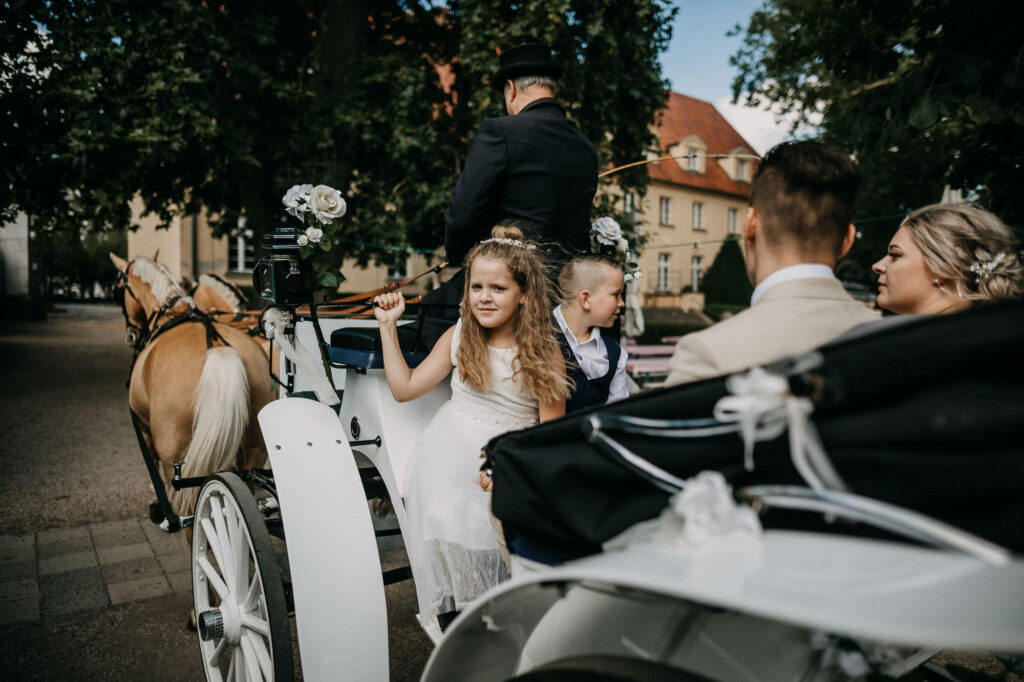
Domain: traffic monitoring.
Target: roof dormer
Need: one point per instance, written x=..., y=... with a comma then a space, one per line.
x=739, y=165
x=691, y=153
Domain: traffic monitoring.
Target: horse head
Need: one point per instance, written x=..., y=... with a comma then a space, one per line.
x=145, y=290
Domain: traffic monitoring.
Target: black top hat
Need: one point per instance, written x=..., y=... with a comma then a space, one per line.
x=528, y=59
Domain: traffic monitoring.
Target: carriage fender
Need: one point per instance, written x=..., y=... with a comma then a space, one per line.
x=340, y=609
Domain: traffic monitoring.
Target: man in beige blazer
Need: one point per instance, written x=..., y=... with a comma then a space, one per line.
x=797, y=227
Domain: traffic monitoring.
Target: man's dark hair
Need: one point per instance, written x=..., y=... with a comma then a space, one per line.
x=804, y=192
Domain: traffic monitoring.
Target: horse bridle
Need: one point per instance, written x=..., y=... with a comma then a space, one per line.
x=135, y=336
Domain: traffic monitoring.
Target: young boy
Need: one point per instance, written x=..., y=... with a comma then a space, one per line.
x=591, y=288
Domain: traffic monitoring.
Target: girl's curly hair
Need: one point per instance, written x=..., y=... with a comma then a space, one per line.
x=538, y=357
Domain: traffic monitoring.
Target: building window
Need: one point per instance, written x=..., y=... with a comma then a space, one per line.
x=732, y=221
x=742, y=170
x=663, y=271
x=398, y=271
x=692, y=161
x=698, y=215
x=241, y=255
x=666, y=211
x=696, y=272
x=629, y=203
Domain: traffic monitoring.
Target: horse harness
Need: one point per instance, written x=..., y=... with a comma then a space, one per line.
x=140, y=338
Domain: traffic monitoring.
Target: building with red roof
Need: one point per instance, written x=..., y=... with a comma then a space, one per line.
x=697, y=198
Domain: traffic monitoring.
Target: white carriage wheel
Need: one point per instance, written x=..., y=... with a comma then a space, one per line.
x=239, y=598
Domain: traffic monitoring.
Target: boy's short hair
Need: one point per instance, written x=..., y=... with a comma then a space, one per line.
x=583, y=272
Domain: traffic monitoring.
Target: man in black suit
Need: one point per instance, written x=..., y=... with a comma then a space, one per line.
x=533, y=169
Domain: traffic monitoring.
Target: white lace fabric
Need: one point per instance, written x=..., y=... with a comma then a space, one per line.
x=448, y=512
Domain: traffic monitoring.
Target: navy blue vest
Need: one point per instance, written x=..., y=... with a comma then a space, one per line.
x=587, y=392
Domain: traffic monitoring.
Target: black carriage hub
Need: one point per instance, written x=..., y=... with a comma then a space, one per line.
x=281, y=277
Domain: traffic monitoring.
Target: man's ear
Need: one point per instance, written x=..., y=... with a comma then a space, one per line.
x=851, y=234
x=751, y=226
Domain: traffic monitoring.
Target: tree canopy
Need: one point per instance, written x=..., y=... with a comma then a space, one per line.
x=726, y=280
x=922, y=93
x=222, y=105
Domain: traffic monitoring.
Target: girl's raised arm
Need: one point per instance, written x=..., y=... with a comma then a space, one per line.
x=409, y=384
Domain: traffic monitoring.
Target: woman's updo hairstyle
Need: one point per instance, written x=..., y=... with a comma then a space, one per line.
x=971, y=248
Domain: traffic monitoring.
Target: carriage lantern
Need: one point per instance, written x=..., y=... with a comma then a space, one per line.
x=281, y=277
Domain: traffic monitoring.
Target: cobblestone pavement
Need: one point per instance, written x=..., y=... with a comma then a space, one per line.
x=67, y=570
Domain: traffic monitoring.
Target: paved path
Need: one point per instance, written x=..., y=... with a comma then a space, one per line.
x=89, y=588
x=67, y=570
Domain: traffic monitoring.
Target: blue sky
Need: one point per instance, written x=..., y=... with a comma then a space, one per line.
x=697, y=64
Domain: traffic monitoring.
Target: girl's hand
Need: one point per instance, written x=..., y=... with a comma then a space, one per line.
x=389, y=307
x=486, y=482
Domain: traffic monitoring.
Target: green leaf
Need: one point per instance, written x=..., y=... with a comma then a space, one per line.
x=325, y=244
x=330, y=279
x=924, y=112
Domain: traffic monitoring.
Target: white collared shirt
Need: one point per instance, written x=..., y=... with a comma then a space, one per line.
x=801, y=271
x=592, y=357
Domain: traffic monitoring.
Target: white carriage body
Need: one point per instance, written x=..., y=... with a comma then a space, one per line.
x=750, y=611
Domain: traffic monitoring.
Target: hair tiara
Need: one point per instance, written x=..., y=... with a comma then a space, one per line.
x=508, y=242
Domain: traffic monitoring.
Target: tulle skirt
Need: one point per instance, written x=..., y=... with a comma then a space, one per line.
x=449, y=513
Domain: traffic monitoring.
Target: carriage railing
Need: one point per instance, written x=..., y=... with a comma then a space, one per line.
x=831, y=503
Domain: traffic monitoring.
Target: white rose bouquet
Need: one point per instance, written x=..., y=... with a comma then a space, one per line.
x=606, y=236
x=317, y=207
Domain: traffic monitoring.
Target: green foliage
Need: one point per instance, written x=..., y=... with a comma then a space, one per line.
x=921, y=92
x=654, y=333
x=226, y=104
x=726, y=280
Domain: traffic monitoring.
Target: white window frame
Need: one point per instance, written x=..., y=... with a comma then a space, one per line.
x=742, y=170
x=664, y=263
x=665, y=205
x=396, y=273
x=698, y=216
x=241, y=254
x=629, y=203
x=732, y=221
x=692, y=160
x=696, y=272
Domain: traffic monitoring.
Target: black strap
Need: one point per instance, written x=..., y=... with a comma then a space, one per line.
x=173, y=520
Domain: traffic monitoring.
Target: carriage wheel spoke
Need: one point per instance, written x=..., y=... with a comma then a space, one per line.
x=256, y=624
x=227, y=568
x=213, y=541
x=257, y=661
x=232, y=667
x=215, y=580
x=214, y=657
x=252, y=597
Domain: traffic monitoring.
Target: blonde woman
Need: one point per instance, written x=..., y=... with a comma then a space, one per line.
x=946, y=258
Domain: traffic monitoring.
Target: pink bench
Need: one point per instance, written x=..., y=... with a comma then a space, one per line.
x=647, y=364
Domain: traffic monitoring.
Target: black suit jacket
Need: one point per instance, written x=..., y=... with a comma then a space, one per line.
x=535, y=167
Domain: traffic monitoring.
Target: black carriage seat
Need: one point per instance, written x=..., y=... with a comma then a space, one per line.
x=360, y=347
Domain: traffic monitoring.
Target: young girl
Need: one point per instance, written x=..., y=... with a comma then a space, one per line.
x=508, y=374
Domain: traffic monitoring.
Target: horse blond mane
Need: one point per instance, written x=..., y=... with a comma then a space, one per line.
x=159, y=279
x=229, y=292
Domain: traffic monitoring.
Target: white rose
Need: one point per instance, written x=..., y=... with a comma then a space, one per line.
x=303, y=240
x=606, y=230
x=622, y=246
x=326, y=203
x=296, y=198
x=314, y=234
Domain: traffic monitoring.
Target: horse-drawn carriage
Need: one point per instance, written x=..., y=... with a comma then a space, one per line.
x=874, y=519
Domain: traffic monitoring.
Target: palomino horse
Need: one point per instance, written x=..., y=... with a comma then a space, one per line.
x=196, y=385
